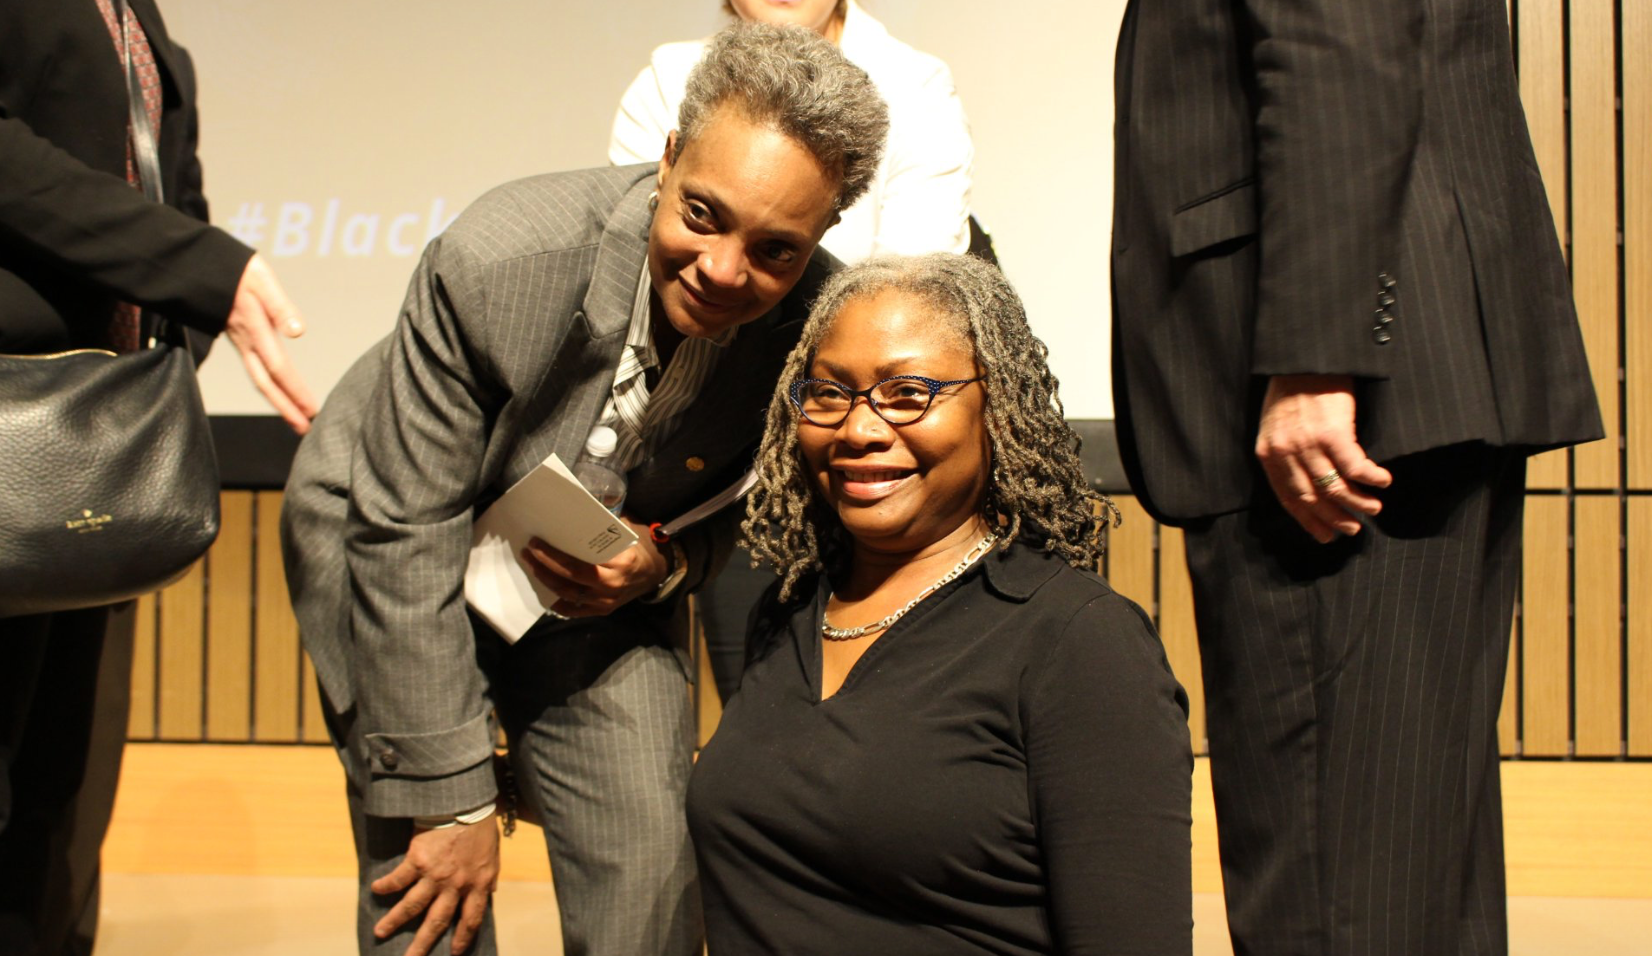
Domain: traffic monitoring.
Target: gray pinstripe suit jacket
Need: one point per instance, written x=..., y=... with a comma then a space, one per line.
x=504, y=352
x=1276, y=159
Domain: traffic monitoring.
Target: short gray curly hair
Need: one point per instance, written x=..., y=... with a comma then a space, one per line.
x=1037, y=484
x=794, y=81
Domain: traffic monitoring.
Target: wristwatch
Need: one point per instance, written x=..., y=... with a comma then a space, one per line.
x=676, y=568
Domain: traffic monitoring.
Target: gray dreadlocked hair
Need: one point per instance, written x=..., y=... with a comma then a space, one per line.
x=1037, y=482
x=797, y=82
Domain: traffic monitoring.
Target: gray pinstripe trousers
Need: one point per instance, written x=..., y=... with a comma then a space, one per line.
x=1352, y=691
x=602, y=739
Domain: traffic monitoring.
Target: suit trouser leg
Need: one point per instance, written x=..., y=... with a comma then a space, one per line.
x=1352, y=693
x=64, y=700
x=381, y=844
x=602, y=742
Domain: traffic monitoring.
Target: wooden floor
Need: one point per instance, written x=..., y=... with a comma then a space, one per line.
x=1573, y=829
x=244, y=850
x=181, y=915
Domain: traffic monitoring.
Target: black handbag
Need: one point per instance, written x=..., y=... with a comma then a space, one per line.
x=108, y=479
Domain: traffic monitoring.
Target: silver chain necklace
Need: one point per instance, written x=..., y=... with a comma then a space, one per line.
x=974, y=554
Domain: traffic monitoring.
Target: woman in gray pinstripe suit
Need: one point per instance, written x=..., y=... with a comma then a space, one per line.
x=665, y=296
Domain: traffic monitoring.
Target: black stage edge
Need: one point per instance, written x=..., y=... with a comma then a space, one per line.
x=255, y=452
x=1100, y=455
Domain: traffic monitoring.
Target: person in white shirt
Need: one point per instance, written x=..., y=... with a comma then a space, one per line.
x=919, y=200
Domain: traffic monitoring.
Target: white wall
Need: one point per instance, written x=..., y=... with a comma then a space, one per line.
x=338, y=135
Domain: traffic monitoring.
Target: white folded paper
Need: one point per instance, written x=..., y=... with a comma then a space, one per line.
x=549, y=504
x=705, y=509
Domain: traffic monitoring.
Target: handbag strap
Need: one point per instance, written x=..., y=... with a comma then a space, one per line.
x=145, y=154
x=144, y=150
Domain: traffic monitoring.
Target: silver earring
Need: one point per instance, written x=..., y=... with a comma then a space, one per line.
x=653, y=200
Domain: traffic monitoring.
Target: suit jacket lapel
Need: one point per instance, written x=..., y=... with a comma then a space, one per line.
x=591, y=351
x=620, y=258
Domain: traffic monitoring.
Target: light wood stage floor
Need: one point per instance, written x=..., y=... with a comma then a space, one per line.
x=185, y=915
x=244, y=850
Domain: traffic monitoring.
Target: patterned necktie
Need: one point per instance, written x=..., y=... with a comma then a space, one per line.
x=125, y=324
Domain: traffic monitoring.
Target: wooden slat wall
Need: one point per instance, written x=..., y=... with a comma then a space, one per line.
x=1594, y=223
x=141, y=724
x=229, y=622
x=217, y=656
x=276, y=703
x=1131, y=562
x=1177, y=629
x=1597, y=563
x=182, y=652
x=259, y=688
x=1640, y=627
x=1586, y=79
x=1545, y=669
x=1637, y=237
x=1635, y=125
x=1540, y=26
x=1508, y=718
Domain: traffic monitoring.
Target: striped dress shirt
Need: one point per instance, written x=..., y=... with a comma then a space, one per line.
x=642, y=416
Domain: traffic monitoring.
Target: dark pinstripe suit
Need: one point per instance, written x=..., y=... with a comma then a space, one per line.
x=1343, y=187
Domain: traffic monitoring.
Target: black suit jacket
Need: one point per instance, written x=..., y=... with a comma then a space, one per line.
x=74, y=235
x=1336, y=187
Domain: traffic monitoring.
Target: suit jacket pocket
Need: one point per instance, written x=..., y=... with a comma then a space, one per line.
x=1228, y=213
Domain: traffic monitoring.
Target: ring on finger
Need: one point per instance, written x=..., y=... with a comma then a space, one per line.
x=1328, y=479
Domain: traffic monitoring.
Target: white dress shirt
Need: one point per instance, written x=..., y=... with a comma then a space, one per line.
x=918, y=201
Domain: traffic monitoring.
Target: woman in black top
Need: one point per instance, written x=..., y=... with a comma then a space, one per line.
x=953, y=737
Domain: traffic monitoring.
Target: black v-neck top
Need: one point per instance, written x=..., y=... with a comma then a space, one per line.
x=1006, y=770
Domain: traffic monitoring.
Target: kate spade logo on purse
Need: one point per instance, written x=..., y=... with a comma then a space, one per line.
x=87, y=522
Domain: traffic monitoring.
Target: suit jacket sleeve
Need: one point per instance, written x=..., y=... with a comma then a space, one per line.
x=414, y=479
x=187, y=194
x=1338, y=89
x=57, y=211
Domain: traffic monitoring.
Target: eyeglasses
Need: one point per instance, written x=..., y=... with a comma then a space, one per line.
x=901, y=400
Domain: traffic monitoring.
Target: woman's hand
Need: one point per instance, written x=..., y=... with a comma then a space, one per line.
x=260, y=315
x=596, y=590
x=449, y=875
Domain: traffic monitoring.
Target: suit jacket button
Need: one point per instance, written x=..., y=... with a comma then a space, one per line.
x=695, y=463
x=1386, y=299
x=1383, y=317
x=1386, y=281
x=388, y=760
x=1381, y=336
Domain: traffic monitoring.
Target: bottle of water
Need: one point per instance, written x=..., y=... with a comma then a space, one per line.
x=596, y=472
